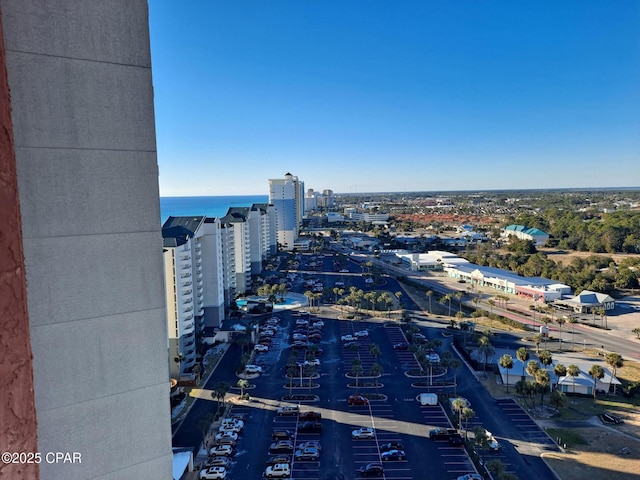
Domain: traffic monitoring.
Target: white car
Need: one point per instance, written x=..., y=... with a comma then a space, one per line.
x=364, y=432
x=368, y=280
x=261, y=348
x=344, y=270
x=348, y=338
x=252, y=369
x=279, y=470
x=362, y=333
x=434, y=358
x=227, y=434
x=231, y=427
x=315, y=362
x=221, y=451
x=214, y=473
x=309, y=444
x=470, y=476
x=493, y=443
x=318, y=323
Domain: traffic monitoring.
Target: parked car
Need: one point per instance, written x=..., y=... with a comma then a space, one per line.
x=307, y=454
x=385, y=447
x=402, y=346
x=221, y=451
x=288, y=410
x=362, y=333
x=278, y=459
x=491, y=441
x=282, y=446
x=314, y=362
x=310, y=427
x=348, y=338
x=363, y=432
x=371, y=470
x=281, y=434
x=357, y=400
x=390, y=455
x=470, y=476
x=213, y=473
x=226, y=434
x=309, y=416
x=232, y=422
x=442, y=433
x=231, y=427
x=218, y=462
x=610, y=418
x=259, y=347
x=250, y=369
x=351, y=345
x=310, y=444
x=279, y=470
x=456, y=440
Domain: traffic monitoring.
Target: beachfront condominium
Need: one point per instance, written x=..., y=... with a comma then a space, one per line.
x=84, y=341
x=194, y=287
x=287, y=196
x=238, y=221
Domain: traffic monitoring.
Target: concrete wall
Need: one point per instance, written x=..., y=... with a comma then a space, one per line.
x=82, y=104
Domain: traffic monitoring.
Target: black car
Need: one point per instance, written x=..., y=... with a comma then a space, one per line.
x=371, y=470
x=456, y=440
x=385, y=447
x=281, y=435
x=401, y=346
x=442, y=433
x=310, y=427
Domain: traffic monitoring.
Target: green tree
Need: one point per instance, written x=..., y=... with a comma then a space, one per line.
x=242, y=385
x=596, y=372
x=429, y=294
x=545, y=358
x=537, y=339
x=356, y=369
x=523, y=355
x=614, y=360
x=486, y=349
x=557, y=399
x=543, y=380
x=506, y=362
x=637, y=332
x=573, y=371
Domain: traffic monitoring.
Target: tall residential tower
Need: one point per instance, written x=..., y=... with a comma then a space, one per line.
x=287, y=196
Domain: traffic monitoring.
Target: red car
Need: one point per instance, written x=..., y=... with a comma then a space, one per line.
x=357, y=400
x=310, y=416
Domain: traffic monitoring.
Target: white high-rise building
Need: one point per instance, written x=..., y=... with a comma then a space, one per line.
x=236, y=220
x=287, y=196
x=184, y=282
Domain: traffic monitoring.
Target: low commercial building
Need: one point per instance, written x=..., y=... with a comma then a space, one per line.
x=537, y=236
x=589, y=302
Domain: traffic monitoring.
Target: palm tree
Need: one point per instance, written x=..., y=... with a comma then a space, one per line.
x=545, y=358
x=537, y=339
x=374, y=350
x=376, y=370
x=455, y=365
x=572, y=321
x=532, y=368
x=179, y=360
x=242, y=385
x=573, y=371
x=614, y=360
x=458, y=405
x=596, y=372
x=459, y=296
x=429, y=294
x=486, y=349
x=356, y=369
x=543, y=381
x=219, y=392
x=560, y=370
x=523, y=355
x=448, y=298
x=637, y=332
x=560, y=321
x=506, y=362
x=467, y=413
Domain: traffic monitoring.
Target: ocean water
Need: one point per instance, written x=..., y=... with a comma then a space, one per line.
x=209, y=206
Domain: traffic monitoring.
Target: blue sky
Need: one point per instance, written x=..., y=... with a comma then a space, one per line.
x=386, y=96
